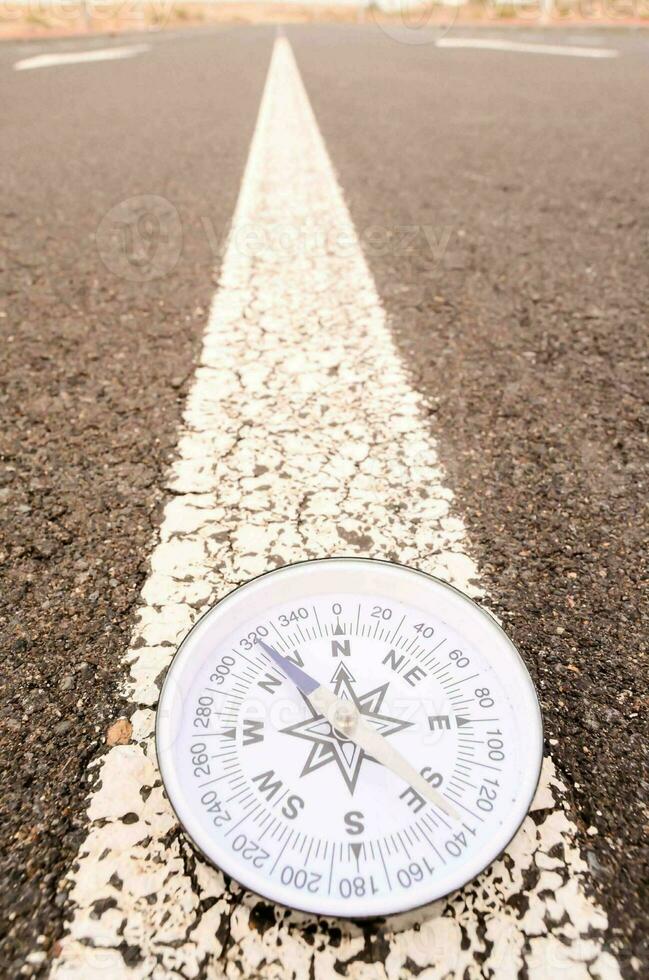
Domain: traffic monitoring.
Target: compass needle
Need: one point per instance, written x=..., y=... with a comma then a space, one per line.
x=271, y=759
x=346, y=718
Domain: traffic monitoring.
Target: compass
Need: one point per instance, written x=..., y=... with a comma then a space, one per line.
x=349, y=737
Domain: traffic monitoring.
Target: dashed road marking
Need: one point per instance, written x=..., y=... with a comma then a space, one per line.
x=523, y=47
x=80, y=57
x=302, y=437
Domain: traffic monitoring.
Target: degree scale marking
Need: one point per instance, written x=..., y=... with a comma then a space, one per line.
x=292, y=647
x=395, y=639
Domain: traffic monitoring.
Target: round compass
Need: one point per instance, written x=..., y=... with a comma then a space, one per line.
x=349, y=737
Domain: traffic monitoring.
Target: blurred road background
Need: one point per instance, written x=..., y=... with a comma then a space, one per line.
x=501, y=199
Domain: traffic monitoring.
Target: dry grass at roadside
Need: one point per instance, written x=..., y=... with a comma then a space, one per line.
x=36, y=19
x=70, y=17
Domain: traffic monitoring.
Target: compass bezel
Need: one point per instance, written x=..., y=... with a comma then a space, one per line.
x=479, y=619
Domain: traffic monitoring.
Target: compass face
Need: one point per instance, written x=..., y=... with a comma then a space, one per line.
x=267, y=737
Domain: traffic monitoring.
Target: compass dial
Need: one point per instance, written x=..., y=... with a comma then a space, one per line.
x=349, y=737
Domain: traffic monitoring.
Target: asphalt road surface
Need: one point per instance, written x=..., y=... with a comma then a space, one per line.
x=500, y=201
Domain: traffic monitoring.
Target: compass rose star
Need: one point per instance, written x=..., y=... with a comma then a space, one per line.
x=327, y=746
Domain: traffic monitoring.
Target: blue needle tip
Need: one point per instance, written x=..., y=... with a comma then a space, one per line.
x=303, y=681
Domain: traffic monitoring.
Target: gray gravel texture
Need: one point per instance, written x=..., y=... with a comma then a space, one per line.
x=529, y=331
x=94, y=372
x=526, y=322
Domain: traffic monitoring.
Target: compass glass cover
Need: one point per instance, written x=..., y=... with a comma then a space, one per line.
x=294, y=809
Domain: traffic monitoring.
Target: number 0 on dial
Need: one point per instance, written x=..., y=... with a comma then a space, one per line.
x=349, y=737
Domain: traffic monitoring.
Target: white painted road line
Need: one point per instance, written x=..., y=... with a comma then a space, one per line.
x=79, y=57
x=498, y=44
x=302, y=437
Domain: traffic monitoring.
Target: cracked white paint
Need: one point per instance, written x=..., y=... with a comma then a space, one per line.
x=302, y=438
